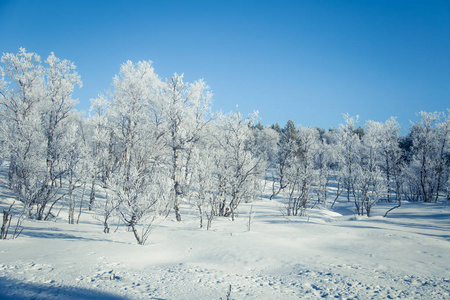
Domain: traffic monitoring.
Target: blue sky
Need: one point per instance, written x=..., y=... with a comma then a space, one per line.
x=308, y=61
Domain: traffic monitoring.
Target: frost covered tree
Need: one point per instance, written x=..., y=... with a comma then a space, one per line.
x=77, y=163
x=138, y=183
x=186, y=112
x=360, y=155
x=100, y=144
x=104, y=159
x=367, y=160
x=369, y=185
x=390, y=161
x=426, y=171
x=3, y=131
x=309, y=144
x=211, y=175
x=303, y=173
x=325, y=159
x=287, y=152
x=37, y=109
x=20, y=112
x=239, y=162
x=58, y=113
x=206, y=177
x=265, y=141
x=422, y=167
x=443, y=155
x=420, y=171
x=348, y=143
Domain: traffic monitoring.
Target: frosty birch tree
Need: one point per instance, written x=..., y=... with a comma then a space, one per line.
x=3, y=131
x=76, y=160
x=239, y=161
x=390, y=160
x=138, y=184
x=20, y=112
x=104, y=159
x=186, y=114
x=264, y=146
x=303, y=174
x=443, y=155
x=59, y=107
x=101, y=139
x=370, y=185
x=205, y=186
x=37, y=111
x=423, y=170
x=308, y=148
x=349, y=143
x=288, y=149
x=324, y=158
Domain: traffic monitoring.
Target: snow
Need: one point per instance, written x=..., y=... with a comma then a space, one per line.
x=328, y=254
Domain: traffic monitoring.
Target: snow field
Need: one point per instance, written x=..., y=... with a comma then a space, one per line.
x=321, y=255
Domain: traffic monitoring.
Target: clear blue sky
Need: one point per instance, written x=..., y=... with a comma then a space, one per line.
x=308, y=61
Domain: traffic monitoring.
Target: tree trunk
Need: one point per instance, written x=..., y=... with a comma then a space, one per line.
x=200, y=211
x=176, y=186
x=6, y=222
x=81, y=203
x=392, y=208
x=440, y=170
x=388, y=178
x=71, y=201
x=135, y=232
x=92, y=195
x=105, y=225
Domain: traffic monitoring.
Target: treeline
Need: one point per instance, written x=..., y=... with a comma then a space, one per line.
x=151, y=143
x=366, y=165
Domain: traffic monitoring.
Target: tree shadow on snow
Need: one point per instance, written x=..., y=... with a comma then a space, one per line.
x=15, y=289
x=55, y=233
x=401, y=227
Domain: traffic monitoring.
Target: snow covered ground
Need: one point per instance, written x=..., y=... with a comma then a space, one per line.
x=325, y=254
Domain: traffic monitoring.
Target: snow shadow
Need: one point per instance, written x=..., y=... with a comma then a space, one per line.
x=435, y=231
x=15, y=289
x=56, y=233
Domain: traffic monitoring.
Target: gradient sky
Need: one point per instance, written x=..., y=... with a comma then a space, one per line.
x=308, y=61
